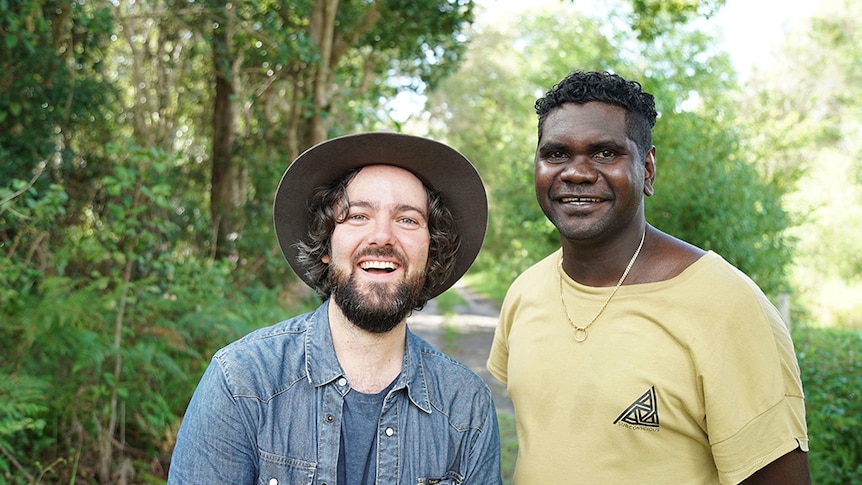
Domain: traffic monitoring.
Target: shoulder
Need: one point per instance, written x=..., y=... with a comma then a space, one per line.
x=537, y=274
x=726, y=298
x=664, y=257
x=443, y=369
x=266, y=360
x=278, y=334
x=453, y=388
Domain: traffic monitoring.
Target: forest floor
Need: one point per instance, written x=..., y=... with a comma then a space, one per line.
x=465, y=333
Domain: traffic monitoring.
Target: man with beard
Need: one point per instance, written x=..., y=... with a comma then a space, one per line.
x=377, y=224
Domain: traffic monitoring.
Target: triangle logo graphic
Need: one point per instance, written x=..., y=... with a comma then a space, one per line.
x=642, y=412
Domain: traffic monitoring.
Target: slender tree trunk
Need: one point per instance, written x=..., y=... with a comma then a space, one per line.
x=106, y=437
x=322, y=30
x=223, y=176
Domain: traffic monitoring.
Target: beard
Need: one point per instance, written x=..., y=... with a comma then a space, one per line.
x=379, y=308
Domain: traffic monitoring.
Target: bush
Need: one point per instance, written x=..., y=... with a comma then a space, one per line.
x=831, y=363
x=107, y=326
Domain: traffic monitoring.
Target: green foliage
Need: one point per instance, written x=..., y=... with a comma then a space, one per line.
x=22, y=416
x=486, y=109
x=652, y=18
x=27, y=216
x=110, y=304
x=708, y=195
x=426, y=37
x=810, y=129
x=50, y=56
x=831, y=365
x=508, y=446
x=117, y=294
x=709, y=191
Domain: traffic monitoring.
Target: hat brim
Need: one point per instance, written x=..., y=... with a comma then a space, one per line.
x=439, y=166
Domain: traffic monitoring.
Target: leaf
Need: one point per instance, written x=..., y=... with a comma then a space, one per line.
x=11, y=41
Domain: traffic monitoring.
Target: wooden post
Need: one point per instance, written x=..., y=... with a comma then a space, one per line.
x=783, y=305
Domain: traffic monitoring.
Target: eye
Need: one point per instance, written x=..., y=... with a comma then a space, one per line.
x=605, y=155
x=410, y=222
x=555, y=156
x=356, y=217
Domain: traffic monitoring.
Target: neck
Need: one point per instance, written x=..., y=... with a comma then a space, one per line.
x=371, y=361
x=600, y=263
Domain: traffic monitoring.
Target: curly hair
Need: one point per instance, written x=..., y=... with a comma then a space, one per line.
x=582, y=87
x=328, y=206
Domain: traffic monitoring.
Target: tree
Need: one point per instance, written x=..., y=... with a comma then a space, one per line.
x=654, y=18
x=486, y=110
x=307, y=67
x=115, y=134
x=808, y=129
x=52, y=91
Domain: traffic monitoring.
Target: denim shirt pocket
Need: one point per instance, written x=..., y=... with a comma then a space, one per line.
x=451, y=478
x=284, y=470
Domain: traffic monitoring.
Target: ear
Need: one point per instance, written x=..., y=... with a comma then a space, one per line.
x=325, y=258
x=649, y=172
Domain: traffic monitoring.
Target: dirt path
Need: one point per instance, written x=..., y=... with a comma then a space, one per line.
x=465, y=335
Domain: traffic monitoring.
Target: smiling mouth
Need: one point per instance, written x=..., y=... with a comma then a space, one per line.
x=577, y=200
x=376, y=266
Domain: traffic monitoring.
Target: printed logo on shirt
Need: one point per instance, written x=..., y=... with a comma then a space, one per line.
x=642, y=414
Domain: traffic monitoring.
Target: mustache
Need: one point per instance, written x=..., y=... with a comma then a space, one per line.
x=381, y=252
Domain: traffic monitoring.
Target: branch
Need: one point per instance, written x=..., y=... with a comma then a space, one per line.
x=7, y=454
x=25, y=189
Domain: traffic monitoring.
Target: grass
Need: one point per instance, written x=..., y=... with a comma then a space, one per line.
x=508, y=446
x=447, y=303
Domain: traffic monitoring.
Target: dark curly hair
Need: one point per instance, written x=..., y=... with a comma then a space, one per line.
x=328, y=207
x=582, y=87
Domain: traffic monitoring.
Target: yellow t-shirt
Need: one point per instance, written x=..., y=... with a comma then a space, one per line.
x=685, y=381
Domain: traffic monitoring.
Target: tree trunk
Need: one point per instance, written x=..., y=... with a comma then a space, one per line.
x=322, y=31
x=223, y=176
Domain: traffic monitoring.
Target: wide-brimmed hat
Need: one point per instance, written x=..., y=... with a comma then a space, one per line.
x=439, y=166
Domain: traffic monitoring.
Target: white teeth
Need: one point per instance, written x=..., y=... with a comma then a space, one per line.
x=385, y=265
x=579, y=199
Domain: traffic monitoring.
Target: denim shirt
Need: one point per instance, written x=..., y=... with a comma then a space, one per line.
x=268, y=411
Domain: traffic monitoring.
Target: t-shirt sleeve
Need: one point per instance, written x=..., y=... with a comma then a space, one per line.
x=498, y=360
x=755, y=410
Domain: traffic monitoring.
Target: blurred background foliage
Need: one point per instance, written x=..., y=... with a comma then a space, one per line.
x=141, y=143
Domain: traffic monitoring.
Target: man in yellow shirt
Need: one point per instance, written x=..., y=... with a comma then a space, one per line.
x=632, y=356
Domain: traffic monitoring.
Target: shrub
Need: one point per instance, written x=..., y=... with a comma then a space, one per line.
x=830, y=360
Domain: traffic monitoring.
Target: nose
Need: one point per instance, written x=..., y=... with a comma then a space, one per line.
x=579, y=169
x=382, y=232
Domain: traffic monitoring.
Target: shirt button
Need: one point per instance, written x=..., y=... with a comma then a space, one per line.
x=342, y=382
x=389, y=431
x=329, y=418
x=273, y=481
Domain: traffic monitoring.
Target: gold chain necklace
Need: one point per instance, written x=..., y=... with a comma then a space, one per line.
x=581, y=332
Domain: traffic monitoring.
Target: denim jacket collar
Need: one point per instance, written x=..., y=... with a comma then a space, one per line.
x=323, y=367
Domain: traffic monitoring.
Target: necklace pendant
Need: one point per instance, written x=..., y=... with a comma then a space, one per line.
x=580, y=334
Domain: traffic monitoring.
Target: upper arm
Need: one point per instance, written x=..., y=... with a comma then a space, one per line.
x=789, y=469
x=212, y=443
x=485, y=455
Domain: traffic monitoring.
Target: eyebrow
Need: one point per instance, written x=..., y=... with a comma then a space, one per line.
x=398, y=208
x=591, y=147
x=551, y=146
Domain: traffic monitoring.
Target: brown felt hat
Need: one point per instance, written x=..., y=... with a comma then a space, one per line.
x=437, y=165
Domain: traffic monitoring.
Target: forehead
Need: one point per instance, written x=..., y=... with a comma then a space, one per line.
x=387, y=183
x=585, y=119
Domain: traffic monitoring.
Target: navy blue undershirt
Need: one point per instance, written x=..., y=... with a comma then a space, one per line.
x=357, y=454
